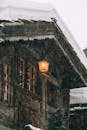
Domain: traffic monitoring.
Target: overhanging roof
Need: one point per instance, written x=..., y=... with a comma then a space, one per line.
x=41, y=12
x=42, y=24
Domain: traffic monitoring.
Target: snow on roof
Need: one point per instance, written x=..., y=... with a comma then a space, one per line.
x=78, y=95
x=26, y=4
x=71, y=40
x=15, y=10
x=23, y=9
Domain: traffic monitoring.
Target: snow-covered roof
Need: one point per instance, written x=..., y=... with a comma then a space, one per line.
x=78, y=95
x=15, y=10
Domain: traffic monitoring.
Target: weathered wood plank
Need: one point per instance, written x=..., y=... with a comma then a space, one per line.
x=52, y=79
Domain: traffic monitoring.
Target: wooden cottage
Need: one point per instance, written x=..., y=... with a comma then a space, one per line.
x=28, y=95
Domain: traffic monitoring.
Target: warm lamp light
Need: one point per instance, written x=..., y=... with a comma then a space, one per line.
x=43, y=66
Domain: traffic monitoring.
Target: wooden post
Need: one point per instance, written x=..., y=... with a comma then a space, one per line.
x=2, y=84
x=44, y=101
x=65, y=96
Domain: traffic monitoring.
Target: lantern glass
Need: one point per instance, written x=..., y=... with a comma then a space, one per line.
x=43, y=66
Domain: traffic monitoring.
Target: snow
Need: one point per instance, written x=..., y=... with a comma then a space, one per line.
x=32, y=127
x=14, y=13
x=26, y=4
x=78, y=95
x=15, y=10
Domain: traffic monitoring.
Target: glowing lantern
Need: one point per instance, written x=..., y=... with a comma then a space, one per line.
x=43, y=66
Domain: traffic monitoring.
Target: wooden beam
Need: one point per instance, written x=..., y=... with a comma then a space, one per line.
x=52, y=79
